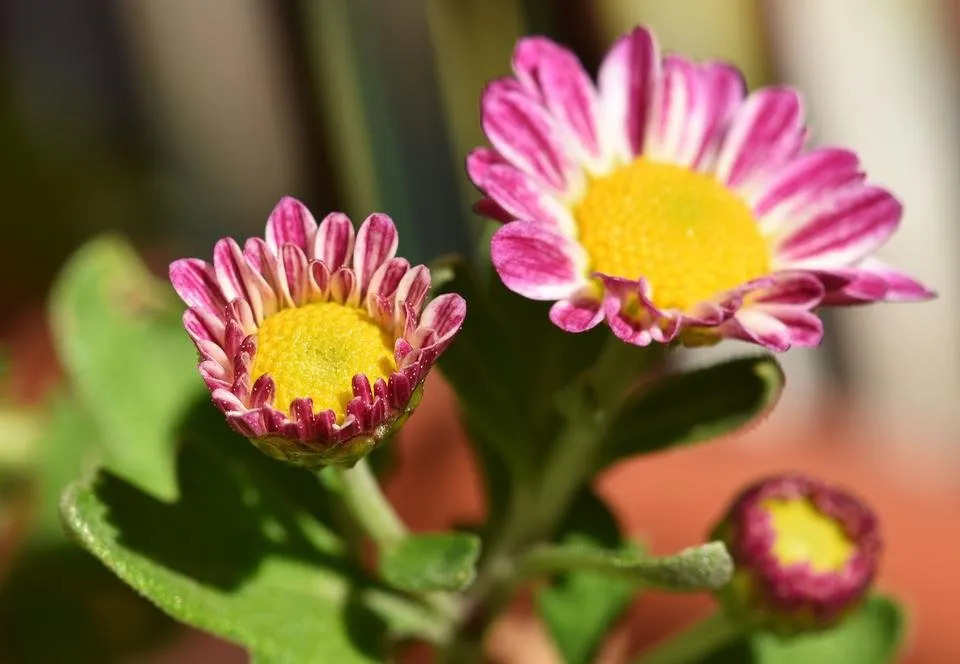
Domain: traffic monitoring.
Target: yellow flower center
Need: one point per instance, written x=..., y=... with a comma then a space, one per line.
x=804, y=534
x=685, y=232
x=316, y=350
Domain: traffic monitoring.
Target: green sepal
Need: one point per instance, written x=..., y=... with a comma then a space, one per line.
x=244, y=553
x=695, y=406
x=431, y=562
x=118, y=333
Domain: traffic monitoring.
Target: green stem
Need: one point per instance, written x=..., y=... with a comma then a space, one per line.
x=361, y=494
x=696, y=642
x=363, y=499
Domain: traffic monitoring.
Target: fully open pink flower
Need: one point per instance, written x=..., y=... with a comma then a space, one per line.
x=315, y=342
x=670, y=203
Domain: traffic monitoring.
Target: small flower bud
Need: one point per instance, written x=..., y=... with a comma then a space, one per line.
x=805, y=554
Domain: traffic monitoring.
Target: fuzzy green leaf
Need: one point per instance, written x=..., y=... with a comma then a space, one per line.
x=118, y=333
x=694, y=407
x=241, y=555
x=426, y=563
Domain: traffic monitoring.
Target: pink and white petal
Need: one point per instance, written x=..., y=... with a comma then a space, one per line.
x=260, y=293
x=203, y=325
x=802, y=181
x=721, y=92
x=196, y=283
x=870, y=281
x=525, y=134
x=577, y=314
x=263, y=392
x=376, y=244
x=444, y=316
x=775, y=329
x=386, y=280
x=293, y=267
x=290, y=222
x=318, y=281
x=413, y=288
x=537, y=261
x=856, y=222
x=631, y=314
x=334, y=241
x=229, y=271
x=627, y=79
x=343, y=286
x=766, y=130
x=900, y=287
x=796, y=289
x=519, y=195
x=558, y=77
x=674, y=106
x=263, y=260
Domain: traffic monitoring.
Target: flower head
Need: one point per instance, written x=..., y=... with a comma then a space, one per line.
x=672, y=204
x=805, y=553
x=315, y=341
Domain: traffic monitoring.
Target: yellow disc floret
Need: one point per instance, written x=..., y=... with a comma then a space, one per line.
x=685, y=232
x=804, y=534
x=316, y=350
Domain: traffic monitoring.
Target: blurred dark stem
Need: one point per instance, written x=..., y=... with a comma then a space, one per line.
x=323, y=189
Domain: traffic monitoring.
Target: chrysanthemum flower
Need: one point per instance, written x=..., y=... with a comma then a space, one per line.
x=805, y=553
x=315, y=343
x=669, y=202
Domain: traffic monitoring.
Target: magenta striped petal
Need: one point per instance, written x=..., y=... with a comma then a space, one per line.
x=870, y=281
x=290, y=223
x=293, y=267
x=805, y=179
x=196, y=283
x=384, y=284
x=334, y=241
x=526, y=136
x=414, y=286
x=853, y=224
x=767, y=130
x=557, y=77
x=343, y=285
x=537, y=261
x=693, y=107
x=577, y=315
x=516, y=193
x=376, y=243
x=627, y=79
x=444, y=315
x=777, y=328
x=900, y=287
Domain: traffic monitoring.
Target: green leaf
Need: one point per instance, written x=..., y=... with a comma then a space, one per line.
x=425, y=563
x=242, y=555
x=118, y=333
x=871, y=635
x=695, y=406
x=68, y=440
x=579, y=607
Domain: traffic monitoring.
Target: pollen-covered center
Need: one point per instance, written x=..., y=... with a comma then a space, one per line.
x=804, y=534
x=316, y=350
x=685, y=232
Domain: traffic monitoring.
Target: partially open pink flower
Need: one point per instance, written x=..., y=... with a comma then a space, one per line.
x=315, y=342
x=805, y=553
x=671, y=203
